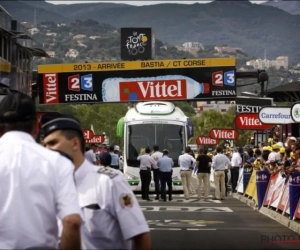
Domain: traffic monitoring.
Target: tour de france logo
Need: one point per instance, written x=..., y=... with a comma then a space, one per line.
x=297, y=113
x=136, y=43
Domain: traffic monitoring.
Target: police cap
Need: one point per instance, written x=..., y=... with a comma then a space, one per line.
x=17, y=107
x=63, y=122
x=105, y=158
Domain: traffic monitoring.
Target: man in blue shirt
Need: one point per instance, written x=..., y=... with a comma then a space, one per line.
x=165, y=165
x=114, y=157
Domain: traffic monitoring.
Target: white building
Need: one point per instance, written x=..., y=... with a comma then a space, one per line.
x=281, y=61
x=51, y=53
x=72, y=53
x=193, y=45
x=220, y=106
x=51, y=34
x=33, y=31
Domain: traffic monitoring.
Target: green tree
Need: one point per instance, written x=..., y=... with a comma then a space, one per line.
x=214, y=119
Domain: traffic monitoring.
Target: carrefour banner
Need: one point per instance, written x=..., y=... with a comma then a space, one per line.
x=294, y=192
x=247, y=171
x=262, y=181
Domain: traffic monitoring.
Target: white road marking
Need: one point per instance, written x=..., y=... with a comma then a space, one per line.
x=185, y=209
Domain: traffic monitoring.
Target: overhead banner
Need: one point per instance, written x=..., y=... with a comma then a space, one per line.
x=275, y=115
x=135, y=81
x=247, y=104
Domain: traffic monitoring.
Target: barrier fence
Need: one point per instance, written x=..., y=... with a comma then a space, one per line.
x=272, y=191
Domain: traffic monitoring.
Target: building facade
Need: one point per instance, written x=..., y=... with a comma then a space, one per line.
x=16, y=55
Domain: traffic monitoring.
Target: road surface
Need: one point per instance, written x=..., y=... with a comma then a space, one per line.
x=228, y=224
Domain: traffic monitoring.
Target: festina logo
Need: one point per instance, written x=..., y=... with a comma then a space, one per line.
x=50, y=88
x=225, y=134
x=206, y=141
x=80, y=97
x=247, y=109
x=155, y=89
x=224, y=93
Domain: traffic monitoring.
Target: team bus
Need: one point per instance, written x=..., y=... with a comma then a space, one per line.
x=153, y=123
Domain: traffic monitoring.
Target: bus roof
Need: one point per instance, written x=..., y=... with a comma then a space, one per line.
x=155, y=110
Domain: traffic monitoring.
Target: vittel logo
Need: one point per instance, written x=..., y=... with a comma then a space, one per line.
x=224, y=134
x=50, y=82
x=205, y=140
x=153, y=90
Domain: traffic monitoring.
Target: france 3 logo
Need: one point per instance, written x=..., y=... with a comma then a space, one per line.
x=75, y=82
x=219, y=79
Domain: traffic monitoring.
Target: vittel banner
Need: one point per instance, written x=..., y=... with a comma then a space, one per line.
x=135, y=81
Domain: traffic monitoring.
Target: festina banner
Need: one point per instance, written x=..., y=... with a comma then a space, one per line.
x=245, y=104
x=135, y=81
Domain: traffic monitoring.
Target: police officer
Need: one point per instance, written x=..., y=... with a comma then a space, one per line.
x=111, y=212
x=156, y=155
x=36, y=184
x=165, y=165
x=146, y=164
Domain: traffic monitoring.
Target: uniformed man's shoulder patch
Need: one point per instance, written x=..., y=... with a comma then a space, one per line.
x=126, y=201
x=108, y=171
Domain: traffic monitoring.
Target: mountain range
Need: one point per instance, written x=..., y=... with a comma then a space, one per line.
x=272, y=26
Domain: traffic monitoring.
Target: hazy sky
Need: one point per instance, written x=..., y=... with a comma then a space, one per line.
x=138, y=3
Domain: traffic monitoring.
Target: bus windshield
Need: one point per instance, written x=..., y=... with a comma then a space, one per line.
x=166, y=136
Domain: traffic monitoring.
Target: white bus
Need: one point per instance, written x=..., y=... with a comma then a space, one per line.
x=153, y=123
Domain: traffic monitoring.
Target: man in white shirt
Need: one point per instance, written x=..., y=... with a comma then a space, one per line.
x=236, y=163
x=186, y=163
x=146, y=164
x=111, y=212
x=219, y=164
x=156, y=155
x=36, y=184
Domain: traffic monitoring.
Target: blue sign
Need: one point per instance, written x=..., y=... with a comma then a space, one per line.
x=189, y=128
x=294, y=189
x=87, y=82
x=247, y=171
x=262, y=182
x=229, y=79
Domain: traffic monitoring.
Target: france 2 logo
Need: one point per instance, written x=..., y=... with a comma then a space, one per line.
x=219, y=79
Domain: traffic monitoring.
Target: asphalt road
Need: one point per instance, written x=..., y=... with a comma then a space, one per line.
x=228, y=224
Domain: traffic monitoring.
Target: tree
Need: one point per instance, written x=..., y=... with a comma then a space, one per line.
x=214, y=119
